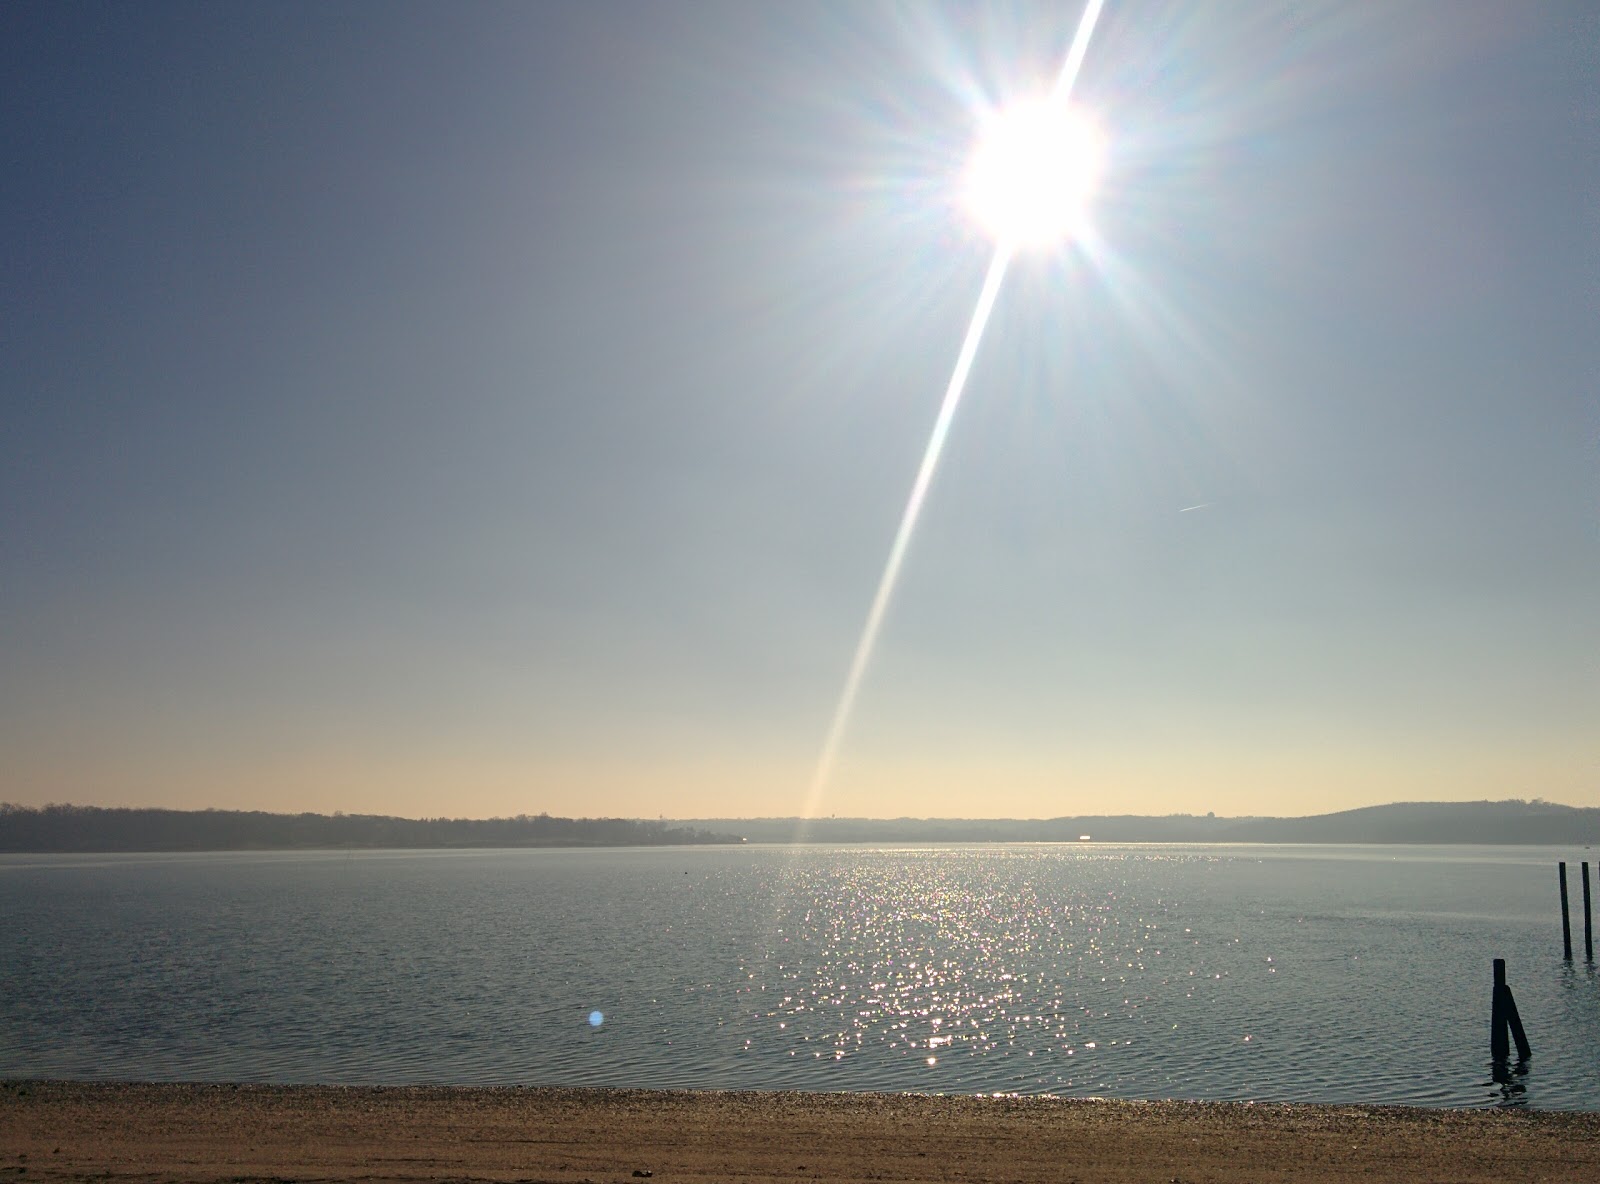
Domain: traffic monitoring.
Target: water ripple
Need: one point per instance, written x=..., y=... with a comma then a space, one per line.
x=1144, y=972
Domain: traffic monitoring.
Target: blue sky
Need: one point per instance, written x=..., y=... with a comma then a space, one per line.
x=484, y=409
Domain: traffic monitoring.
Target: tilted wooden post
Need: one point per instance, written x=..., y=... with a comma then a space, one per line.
x=1502, y=1016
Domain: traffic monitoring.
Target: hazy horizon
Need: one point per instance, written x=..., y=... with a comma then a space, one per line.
x=512, y=406
x=687, y=819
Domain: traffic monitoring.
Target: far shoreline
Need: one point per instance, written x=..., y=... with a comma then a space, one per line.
x=68, y=829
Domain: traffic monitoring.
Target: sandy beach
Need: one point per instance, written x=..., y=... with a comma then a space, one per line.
x=66, y=1131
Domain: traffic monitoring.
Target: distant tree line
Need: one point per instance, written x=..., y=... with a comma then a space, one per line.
x=1510, y=822
x=96, y=828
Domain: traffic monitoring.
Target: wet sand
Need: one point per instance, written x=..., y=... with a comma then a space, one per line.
x=63, y=1131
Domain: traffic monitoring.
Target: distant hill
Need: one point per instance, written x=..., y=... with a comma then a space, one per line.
x=92, y=828
x=1515, y=821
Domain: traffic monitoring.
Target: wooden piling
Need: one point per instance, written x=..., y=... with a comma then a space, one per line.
x=1505, y=1025
x=1499, y=1040
x=1588, y=926
x=1517, y=1034
x=1566, y=920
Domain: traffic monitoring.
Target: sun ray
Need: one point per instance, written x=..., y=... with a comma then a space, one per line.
x=908, y=523
x=987, y=297
x=1068, y=78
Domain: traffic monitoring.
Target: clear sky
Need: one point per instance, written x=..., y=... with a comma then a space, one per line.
x=485, y=409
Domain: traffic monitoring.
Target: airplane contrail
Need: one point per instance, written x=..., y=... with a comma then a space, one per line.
x=930, y=457
x=1201, y=506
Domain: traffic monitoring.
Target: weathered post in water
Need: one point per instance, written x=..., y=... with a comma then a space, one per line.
x=1502, y=1016
x=1566, y=921
x=1588, y=927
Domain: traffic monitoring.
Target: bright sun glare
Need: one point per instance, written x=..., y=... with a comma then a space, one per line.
x=1029, y=184
x=1033, y=173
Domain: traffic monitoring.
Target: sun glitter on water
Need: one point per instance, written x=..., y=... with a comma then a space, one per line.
x=1033, y=173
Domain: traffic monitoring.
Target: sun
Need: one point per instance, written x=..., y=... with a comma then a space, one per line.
x=1033, y=173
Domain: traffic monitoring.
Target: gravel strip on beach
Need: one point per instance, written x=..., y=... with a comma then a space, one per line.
x=243, y=1133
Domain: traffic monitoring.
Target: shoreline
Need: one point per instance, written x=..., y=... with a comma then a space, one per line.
x=195, y=1133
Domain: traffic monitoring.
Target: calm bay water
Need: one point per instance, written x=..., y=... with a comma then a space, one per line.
x=1329, y=974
